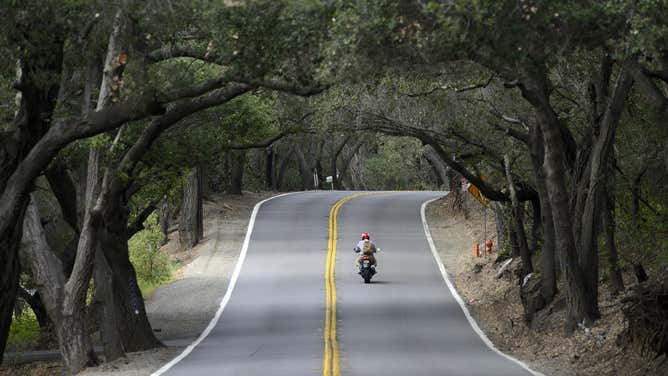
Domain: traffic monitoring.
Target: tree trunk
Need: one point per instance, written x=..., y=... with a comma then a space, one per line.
x=525, y=254
x=64, y=301
x=333, y=159
x=536, y=225
x=347, y=160
x=129, y=310
x=595, y=182
x=283, y=166
x=274, y=170
x=319, y=171
x=123, y=299
x=304, y=171
x=164, y=220
x=190, y=225
x=582, y=308
x=37, y=306
x=237, y=172
x=112, y=344
x=512, y=240
x=455, y=189
x=109, y=89
x=547, y=259
x=64, y=189
x=269, y=167
x=437, y=164
x=581, y=303
x=334, y=173
x=108, y=322
x=9, y=278
x=501, y=226
x=32, y=121
x=74, y=342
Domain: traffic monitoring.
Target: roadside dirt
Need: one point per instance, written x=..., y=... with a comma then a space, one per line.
x=496, y=306
x=180, y=310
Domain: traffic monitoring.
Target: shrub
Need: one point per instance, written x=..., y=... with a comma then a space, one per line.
x=152, y=266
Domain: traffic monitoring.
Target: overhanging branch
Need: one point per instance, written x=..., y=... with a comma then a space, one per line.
x=456, y=90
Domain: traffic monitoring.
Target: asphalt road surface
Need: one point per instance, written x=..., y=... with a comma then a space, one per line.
x=292, y=314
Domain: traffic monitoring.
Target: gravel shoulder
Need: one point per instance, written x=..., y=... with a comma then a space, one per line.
x=179, y=311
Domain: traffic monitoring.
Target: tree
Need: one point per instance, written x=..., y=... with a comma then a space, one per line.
x=191, y=223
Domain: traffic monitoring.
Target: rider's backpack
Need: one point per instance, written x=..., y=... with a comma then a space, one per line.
x=367, y=249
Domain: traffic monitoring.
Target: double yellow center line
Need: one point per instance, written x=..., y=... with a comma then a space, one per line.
x=330, y=365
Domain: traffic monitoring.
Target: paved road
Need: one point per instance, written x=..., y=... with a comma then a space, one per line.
x=405, y=323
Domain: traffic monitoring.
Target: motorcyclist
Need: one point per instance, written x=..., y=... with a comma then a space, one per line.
x=366, y=248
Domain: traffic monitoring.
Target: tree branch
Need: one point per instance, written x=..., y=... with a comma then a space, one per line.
x=138, y=224
x=171, y=51
x=261, y=144
x=456, y=90
x=661, y=75
x=173, y=115
x=303, y=91
x=436, y=140
x=520, y=136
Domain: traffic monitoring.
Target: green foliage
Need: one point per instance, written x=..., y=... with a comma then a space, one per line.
x=649, y=29
x=643, y=237
x=204, y=141
x=398, y=165
x=24, y=331
x=504, y=252
x=152, y=266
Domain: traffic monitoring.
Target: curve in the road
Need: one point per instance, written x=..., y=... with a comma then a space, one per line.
x=405, y=323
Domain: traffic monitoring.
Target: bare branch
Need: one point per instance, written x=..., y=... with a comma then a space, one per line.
x=456, y=90
x=264, y=143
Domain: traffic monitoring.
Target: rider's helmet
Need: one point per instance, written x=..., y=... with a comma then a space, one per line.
x=365, y=236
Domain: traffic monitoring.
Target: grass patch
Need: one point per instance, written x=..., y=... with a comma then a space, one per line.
x=24, y=332
x=148, y=286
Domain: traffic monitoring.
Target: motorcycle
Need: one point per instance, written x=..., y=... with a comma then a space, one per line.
x=366, y=267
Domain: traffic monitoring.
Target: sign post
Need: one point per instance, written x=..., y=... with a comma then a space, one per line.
x=484, y=201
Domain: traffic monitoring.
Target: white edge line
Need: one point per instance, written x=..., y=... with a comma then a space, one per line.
x=459, y=299
x=228, y=293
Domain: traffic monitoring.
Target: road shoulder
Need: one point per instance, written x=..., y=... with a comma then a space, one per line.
x=496, y=306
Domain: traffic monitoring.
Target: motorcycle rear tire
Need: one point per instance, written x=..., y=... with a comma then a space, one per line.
x=367, y=280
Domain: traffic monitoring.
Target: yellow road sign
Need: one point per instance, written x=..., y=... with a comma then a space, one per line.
x=475, y=192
